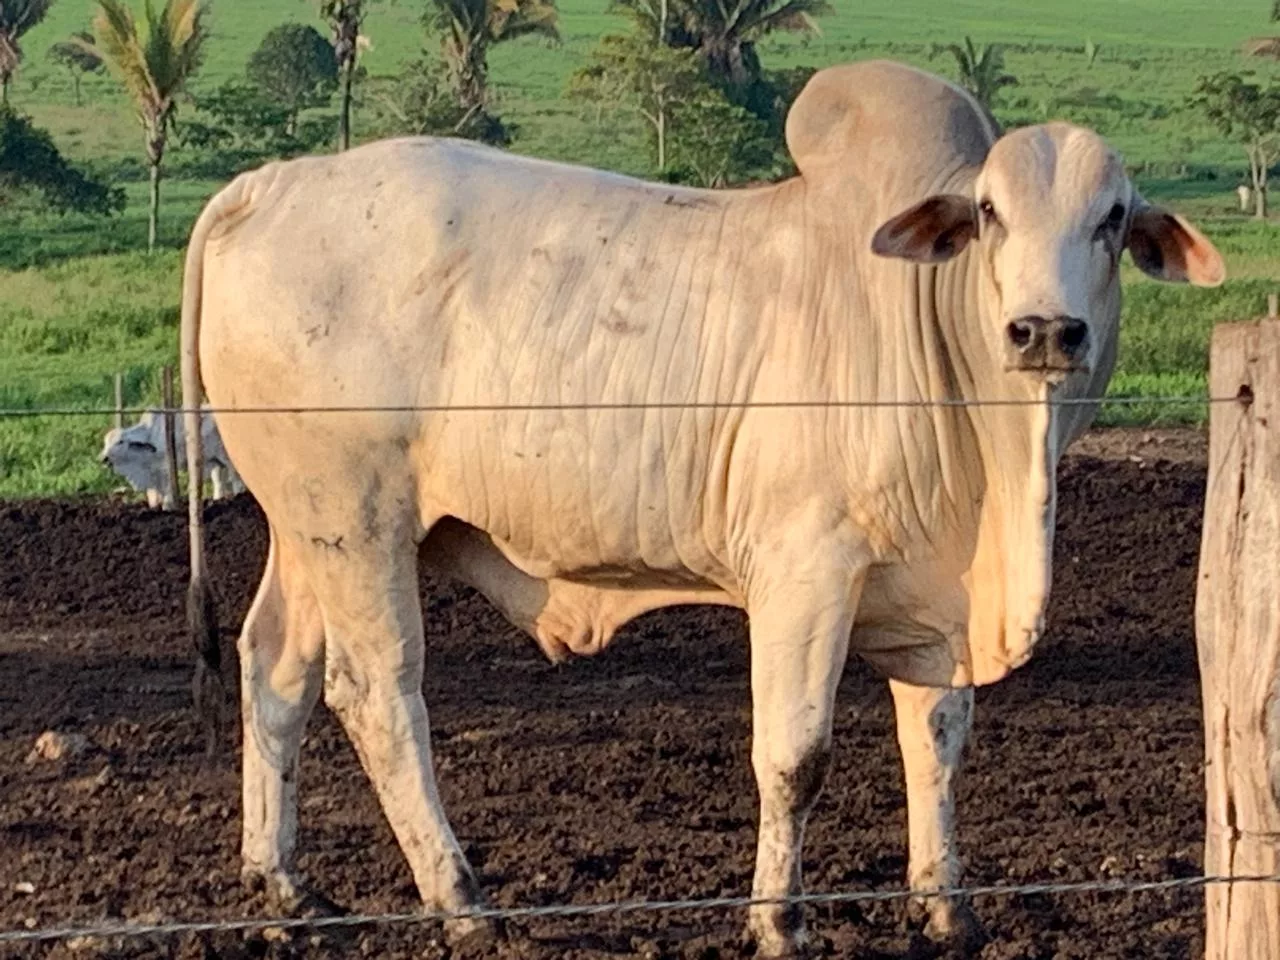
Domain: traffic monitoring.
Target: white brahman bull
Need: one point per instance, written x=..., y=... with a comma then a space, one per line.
x=917, y=257
x=136, y=453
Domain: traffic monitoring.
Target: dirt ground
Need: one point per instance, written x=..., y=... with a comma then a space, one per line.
x=624, y=776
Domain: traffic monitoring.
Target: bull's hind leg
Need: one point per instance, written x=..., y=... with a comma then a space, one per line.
x=374, y=661
x=800, y=626
x=933, y=725
x=281, y=659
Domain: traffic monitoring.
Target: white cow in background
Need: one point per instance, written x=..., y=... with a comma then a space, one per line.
x=136, y=452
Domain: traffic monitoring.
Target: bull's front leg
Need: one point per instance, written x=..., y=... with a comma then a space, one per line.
x=800, y=625
x=933, y=726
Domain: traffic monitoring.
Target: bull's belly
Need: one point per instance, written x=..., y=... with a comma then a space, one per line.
x=583, y=498
x=593, y=542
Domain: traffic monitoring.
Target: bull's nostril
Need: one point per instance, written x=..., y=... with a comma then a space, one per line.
x=1073, y=334
x=1020, y=334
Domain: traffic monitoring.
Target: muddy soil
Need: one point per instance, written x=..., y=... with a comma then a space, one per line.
x=624, y=776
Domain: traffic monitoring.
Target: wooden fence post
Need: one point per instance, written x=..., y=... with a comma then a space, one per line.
x=120, y=400
x=170, y=437
x=1238, y=638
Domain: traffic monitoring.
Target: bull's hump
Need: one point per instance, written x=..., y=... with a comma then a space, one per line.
x=896, y=131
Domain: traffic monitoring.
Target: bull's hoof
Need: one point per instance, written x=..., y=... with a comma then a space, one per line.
x=953, y=924
x=472, y=933
x=778, y=933
x=288, y=896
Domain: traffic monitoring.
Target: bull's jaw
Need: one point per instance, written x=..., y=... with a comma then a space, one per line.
x=1008, y=581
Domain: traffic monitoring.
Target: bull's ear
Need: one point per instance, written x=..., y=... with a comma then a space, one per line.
x=1166, y=247
x=932, y=231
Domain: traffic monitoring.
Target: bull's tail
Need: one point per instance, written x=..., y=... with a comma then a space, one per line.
x=208, y=685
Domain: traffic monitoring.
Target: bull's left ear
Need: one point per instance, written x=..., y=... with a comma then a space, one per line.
x=1166, y=247
x=932, y=231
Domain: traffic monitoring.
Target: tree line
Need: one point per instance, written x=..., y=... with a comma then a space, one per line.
x=689, y=71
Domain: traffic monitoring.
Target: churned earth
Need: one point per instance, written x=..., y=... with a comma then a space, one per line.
x=625, y=776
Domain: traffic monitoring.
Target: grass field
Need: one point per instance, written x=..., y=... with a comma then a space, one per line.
x=79, y=302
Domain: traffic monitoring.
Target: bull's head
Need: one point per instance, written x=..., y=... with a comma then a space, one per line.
x=1050, y=213
x=1029, y=312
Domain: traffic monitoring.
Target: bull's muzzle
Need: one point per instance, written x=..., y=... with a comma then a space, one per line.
x=1049, y=344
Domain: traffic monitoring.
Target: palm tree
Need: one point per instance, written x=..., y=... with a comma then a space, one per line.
x=16, y=18
x=725, y=32
x=468, y=28
x=153, y=60
x=982, y=70
x=345, y=17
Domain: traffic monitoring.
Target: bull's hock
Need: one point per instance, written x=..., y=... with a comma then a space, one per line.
x=919, y=256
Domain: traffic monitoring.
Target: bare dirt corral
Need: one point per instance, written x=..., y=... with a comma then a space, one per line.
x=626, y=776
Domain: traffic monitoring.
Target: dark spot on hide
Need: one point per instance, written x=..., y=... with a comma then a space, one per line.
x=787, y=922
x=444, y=278
x=615, y=323
x=949, y=728
x=674, y=201
x=369, y=509
x=334, y=544
x=805, y=781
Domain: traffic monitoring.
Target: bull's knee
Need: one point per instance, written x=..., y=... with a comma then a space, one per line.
x=793, y=783
x=806, y=779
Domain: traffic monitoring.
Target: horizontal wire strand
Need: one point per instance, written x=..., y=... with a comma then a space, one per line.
x=623, y=906
x=26, y=412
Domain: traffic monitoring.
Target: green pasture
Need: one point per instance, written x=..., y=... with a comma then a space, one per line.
x=80, y=301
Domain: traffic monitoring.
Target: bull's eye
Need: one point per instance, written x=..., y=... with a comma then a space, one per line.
x=1114, y=221
x=988, y=211
x=139, y=445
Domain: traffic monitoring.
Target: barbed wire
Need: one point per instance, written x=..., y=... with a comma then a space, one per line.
x=1191, y=400
x=623, y=907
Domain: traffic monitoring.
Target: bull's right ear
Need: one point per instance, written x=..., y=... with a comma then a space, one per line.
x=933, y=231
